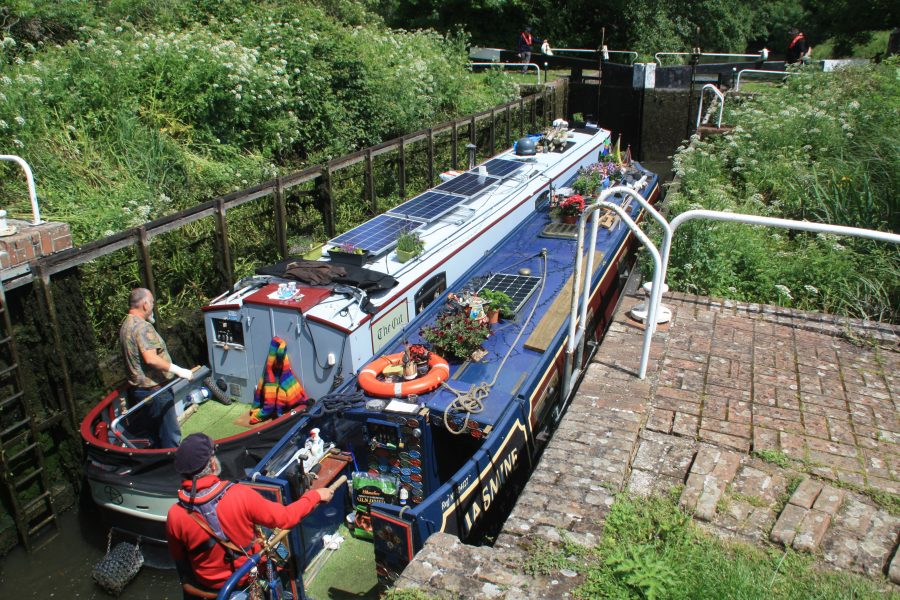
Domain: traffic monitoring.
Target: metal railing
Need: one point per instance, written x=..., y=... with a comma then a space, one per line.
x=604, y=51
x=721, y=97
x=29, y=178
x=761, y=55
x=737, y=79
x=715, y=215
x=578, y=313
x=504, y=65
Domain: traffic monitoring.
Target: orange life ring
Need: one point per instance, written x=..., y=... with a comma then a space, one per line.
x=438, y=372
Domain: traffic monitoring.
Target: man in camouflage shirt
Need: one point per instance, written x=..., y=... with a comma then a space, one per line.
x=149, y=367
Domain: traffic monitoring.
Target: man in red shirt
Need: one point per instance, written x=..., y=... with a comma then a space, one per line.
x=210, y=530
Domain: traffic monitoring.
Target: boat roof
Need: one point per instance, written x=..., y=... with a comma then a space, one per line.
x=503, y=184
x=519, y=250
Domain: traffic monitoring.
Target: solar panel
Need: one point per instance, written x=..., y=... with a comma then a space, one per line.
x=467, y=184
x=500, y=167
x=377, y=235
x=517, y=287
x=428, y=206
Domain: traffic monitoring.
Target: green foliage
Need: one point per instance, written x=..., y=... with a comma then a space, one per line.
x=497, y=300
x=409, y=241
x=651, y=549
x=822, y=147
x=130, y=109
x=776, y=457
x=455, y=335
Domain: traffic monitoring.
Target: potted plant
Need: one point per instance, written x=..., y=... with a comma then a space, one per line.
x=455, y=336
x=499, y=304
x=348, y=254
x=570, y=208
x=409, y=245
x=592, y=179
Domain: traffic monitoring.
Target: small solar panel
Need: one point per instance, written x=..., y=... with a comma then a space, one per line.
x=377, y=235
x=500, y=167
x=428, y=206
x=467, y=184
x=517, y=287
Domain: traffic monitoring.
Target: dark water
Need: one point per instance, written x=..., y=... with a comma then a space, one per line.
x=62, y=569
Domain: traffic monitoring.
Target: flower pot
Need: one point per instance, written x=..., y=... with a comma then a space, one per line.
x=570, y=219
x=348, y=258
x=403, y=255
x=493, y=316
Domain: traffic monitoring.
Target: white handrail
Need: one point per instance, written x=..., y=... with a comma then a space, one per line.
x=579, y=251
x=494, y=64
x=630, y=191
x=29, y=178
x=737, y=80
x=604, y=51
x=762, y=55
x=715, y=215
x=721, y=96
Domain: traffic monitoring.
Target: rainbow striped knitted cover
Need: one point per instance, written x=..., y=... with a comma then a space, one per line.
x=278, y=391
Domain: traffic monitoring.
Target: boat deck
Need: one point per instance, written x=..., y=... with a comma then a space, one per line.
x=511, y=255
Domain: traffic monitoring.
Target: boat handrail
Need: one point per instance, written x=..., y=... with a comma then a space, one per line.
x=721, y=97
x=737, y=79
x=591, y=211
x=504, y=65
x=29, y=179
x=115, y=426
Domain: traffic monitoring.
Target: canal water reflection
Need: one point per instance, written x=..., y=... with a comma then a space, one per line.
x=62, y=569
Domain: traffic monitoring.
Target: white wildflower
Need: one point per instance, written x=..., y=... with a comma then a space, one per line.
x=20, y=120
x=811, y=289
x=784, y=290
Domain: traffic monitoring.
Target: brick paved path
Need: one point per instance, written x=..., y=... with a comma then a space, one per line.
x=807, y=390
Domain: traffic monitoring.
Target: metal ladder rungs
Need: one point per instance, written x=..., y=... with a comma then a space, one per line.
x=10, y=399
x=21, y=481
x=42, y=524
x=22, y=452
x=14, y=426
x=43, y=497
x=8, y=370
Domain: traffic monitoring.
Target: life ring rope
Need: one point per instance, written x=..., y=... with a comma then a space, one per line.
x=438, y=372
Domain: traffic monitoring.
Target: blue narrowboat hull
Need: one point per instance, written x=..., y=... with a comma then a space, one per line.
x=462, y=477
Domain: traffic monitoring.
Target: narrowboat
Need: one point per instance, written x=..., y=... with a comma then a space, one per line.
x=331, y=317
x=433, y=444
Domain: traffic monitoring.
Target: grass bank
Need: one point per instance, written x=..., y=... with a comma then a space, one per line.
x=821, y=147
x=651, y=549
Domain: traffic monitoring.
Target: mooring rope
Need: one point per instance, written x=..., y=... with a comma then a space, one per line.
x=471, y=402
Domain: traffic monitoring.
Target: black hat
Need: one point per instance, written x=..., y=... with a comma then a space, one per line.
x=528, y=30
x=193, y=454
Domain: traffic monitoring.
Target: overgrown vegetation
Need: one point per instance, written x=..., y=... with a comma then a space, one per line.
x=651, y=549
x=129, y=109
x=822, y=147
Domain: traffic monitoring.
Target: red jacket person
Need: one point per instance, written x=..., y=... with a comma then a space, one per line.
x=210, y=530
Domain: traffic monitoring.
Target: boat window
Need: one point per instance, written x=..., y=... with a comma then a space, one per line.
x=430, y=290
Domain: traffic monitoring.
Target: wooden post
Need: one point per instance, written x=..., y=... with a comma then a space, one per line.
x=508, y=125
x=430, y=156
x=472, y=132
x=46, y=294
x=454, y=140
x=281, y=233
x=146, y=264
x=493, y=127
x=370, y=182
x=521, y=117
x=324, y=200
x=533, y=114
x=225, y=267
x=401, y=168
